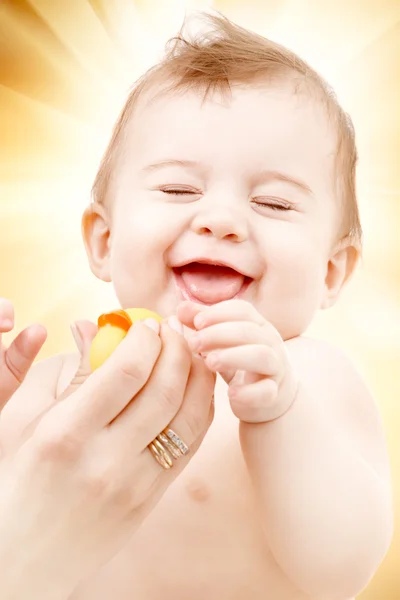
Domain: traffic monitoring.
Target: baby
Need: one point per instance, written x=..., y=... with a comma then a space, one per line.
x=227, y=197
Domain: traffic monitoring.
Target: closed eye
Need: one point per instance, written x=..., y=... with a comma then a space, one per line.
x=273, y=203
x=179, y=191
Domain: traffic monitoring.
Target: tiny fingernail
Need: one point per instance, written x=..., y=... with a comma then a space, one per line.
x=153, y=324
x=6, y=324
x=199, y=321
x=175, y=324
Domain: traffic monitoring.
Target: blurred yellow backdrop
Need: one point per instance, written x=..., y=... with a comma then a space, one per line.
x=65, y=68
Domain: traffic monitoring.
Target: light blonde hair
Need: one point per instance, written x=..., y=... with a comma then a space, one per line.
x=228, y=54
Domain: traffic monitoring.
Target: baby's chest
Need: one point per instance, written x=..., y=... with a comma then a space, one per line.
x=210, y=495
x=203, y=540
x=203, y=531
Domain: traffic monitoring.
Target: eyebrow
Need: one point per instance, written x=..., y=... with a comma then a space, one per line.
x=262, y=176
x=267, y=176
x=171, y=162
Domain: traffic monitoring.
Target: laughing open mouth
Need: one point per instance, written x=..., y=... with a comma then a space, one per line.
x=209, y=283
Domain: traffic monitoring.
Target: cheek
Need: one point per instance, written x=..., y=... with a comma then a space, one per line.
x=145, y=224
x=140, y=238
x=300, y=281
x=136, y=233
x=295, y=279
x=294, y=249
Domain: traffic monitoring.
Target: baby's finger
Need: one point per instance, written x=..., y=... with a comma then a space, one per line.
x=18, y=359
x=252, y=358
x=254, y=402
x=225, y=335
x=229, y=310
x=258, y=402
x=187, y=311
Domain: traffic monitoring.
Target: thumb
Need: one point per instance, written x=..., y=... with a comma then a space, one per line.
x=83, y=333
x=16, y=361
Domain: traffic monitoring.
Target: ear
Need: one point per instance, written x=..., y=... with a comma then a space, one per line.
x=96, y=238
x=340, y=268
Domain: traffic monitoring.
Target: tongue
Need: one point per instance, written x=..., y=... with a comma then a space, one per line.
x=211, y=283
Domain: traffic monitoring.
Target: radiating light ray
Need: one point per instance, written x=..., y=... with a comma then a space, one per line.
x=300, y=24
x=24, y=36
x=10, y=96
x=128, y=32
x=72, y=197
x=382, y=24
x=374, y=63
x=66, y=73
x=46, y=136
x=98, y=56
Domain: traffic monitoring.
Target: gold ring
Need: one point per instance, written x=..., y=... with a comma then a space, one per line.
x=161, y=456
x=167, y=446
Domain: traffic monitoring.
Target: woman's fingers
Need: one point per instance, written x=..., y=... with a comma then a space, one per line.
x=190, y=425
x=18, y=358
x=194, y=415
x=83, y=333
x=161, y=398
x=110, y=388
x=6, y=315
x=178, y=397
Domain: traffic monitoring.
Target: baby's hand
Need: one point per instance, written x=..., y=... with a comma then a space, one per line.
x=248, y=352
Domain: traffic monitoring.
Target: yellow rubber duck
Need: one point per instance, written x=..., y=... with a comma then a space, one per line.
x=113, y=327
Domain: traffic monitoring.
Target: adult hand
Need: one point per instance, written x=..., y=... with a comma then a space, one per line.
x=83, y=480
x=16, y=360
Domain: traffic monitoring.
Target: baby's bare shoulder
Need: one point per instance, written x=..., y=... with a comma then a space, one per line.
x=337, y=385
x=324, y=364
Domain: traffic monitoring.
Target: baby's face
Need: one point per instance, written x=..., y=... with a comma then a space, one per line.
x=246, y=182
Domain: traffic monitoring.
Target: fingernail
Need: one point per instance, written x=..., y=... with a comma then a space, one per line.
x=175, y=324
x=77, y=337
x=199, y=321
x=6, y=324
x=153, y=324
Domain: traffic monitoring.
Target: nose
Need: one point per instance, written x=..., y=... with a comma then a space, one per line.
x=221, y=222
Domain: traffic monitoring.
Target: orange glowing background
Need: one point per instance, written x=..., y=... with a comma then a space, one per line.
x=65, y=68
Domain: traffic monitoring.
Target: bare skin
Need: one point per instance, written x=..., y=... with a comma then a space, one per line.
x=203, y=539
x=292, y=502
x=16, y=360
x=68, y=500
x=206, y=529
